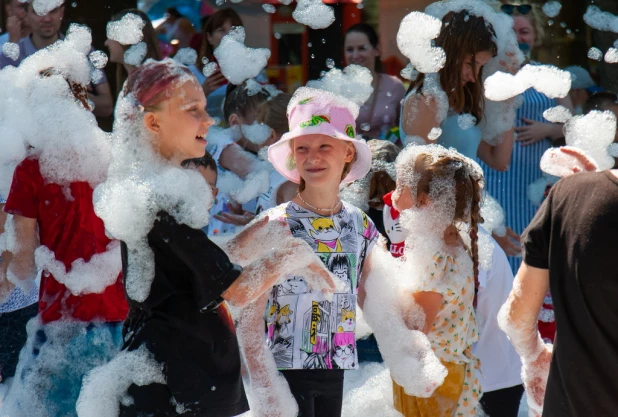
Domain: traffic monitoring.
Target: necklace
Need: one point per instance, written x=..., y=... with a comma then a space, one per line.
x=319, y=209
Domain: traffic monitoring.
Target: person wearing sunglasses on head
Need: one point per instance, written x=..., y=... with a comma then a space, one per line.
x=534, y=137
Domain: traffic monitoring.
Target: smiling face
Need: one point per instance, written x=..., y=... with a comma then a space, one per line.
x=180, y=123
x=359, y=51
x=472, y=66
x=524, y=30
x=320, y=159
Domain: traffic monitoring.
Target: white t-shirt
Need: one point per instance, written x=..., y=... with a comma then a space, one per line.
x=500, y=363
x=268, y=199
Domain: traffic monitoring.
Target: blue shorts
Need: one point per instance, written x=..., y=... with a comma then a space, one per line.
x=53, y=363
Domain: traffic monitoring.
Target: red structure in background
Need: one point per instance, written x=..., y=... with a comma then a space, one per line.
x=291, y=60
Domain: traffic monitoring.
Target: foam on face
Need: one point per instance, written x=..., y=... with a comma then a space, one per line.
x=43, y=7
x=314, y=14
x=353, y=83
x=140, y=184
x=126, y=31
x=136, y=54
x=552, y=8
x=599, y=20
x=546, y=79
x=105, y=387
x=414, y=39
x=237, y=61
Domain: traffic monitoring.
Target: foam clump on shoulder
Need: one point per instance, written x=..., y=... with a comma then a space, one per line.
x=414, y=39
x=186, y=56
x=546, y=79
x=140, y=184
x=314, y=14
x=326, y=98
x=43, y=7
x=126, y=31
x=105, y=388
x=600, y=20
x=353, y=83
x=558, y=114
x=11, y=50
x=237, y=61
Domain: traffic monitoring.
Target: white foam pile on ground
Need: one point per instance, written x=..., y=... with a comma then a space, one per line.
x=314, y=14
x=186, y=56
x=43, y=7
x=558, y=114
x=105, y=387
x=140, y=184
x=11, y=50
x=552, y=8
x=98, y=58
x=94, y=276
x=546, y=79
x=600, y=20
x=237, y=61
x=595, y=53
x=368, y=392
x=136, y=54
x=126, y=31
x=414, y=39
x=353, y=83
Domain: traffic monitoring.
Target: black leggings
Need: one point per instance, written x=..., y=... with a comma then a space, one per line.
x=319, y=393
x=13, y=337
x=503, y=402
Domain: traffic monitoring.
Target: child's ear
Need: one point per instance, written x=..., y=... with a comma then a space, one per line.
x=151, y=121
x=234, y=120
x=350, y=152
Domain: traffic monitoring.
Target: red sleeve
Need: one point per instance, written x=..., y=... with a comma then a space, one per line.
x=23, y=199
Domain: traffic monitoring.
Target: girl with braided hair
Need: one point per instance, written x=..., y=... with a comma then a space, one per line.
x=438, y=195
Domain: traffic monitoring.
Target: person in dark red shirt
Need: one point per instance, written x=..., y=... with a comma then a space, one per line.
x=82, y=304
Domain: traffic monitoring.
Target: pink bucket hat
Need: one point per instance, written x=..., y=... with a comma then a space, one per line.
x=318, y=112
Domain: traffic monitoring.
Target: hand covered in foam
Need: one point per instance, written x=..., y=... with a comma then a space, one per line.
x=534, y=375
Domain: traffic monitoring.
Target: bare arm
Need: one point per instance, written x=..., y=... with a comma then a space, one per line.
x=235, y=159
x=430, y=303
x=103, y=102
x=497, y=157
x=22, y=267
x=286, y=192
x=419, y=116
x=5, y=286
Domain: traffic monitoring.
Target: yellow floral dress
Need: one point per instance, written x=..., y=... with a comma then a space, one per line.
x=454, y=330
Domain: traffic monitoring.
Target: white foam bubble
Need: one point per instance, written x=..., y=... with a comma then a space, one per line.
x=136, y=54
x=595, y=53
x=237, y=61
x=558, y=114
x=257, y=133
x=314, y=14
x=552, y=8
x=43, y=7
x=209, y=69
x=414, y=37
x=98, y=59
x=466, y=121
x=186, y=56
x=546, y=79
x=353, y=83
x=600, y=20
x=409, y=73
x=11, y=50
x=611, y=56
x=269, y=8
x=127, y=31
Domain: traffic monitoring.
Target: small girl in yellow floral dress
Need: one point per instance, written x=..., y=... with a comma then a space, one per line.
x=438, y=194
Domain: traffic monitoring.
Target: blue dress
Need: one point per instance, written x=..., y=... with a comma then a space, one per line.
x=510, y=188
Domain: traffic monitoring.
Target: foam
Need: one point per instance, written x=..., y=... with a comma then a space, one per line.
x=237, y=61
x=314, y=13
x=186, y=56
x=126, y=31
x=353, y=83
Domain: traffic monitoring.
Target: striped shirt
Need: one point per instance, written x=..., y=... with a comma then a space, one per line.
x=510, y=188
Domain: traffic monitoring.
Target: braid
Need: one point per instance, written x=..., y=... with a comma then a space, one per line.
x=475, y=219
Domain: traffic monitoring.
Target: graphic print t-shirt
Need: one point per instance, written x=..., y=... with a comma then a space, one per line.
x=305, y=330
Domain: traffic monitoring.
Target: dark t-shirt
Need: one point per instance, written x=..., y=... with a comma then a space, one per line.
x=574, y=236
x=198, y=348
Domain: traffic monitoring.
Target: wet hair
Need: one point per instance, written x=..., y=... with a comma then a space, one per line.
x=381, y=182
x=462, y=34
x=150, y=38
x=152, y=82
x=600, y=101
x=213, y=23
x=80, y=92
x=372, y=35
x=238, y=101
x=173, y=12
x=206, y=161
x=467, y=193
x=273, y=113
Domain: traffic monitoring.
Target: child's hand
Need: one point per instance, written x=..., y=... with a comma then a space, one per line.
x=510, y=243
x=235, y=219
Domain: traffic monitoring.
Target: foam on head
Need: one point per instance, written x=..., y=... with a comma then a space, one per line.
x=353, y=83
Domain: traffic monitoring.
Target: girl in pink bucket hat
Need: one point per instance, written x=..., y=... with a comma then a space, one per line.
x=313, y=339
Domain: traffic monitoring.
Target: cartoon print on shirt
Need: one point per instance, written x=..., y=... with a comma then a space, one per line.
x=283, y=319
x=293, y=285
x=348, y=321
x=339, y=265
x=326, y=235
x=316, y=330
x=345, y=352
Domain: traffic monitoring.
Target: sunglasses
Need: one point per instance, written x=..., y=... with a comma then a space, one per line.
x=521, y=8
